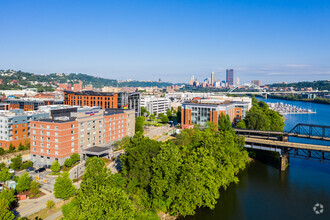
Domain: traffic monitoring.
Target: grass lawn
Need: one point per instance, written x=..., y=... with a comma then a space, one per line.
x=44, y=213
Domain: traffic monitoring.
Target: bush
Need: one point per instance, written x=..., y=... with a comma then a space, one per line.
x=75, y=180
x=68, y=162
x=27, y=164
x=75, y=158
x=31, y=196
x=50, y=204
x=38, y=195
x=2, y=151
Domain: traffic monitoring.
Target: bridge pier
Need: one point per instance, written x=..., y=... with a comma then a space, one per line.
x=284, y=161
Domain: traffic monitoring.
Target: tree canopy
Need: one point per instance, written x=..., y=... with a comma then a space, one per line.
x=24, y=182
x=63, y=187
x=260, y=117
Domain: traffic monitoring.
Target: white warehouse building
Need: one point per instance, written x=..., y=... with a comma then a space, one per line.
x=155, y=105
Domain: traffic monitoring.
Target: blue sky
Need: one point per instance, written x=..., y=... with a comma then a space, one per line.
x=270, y=40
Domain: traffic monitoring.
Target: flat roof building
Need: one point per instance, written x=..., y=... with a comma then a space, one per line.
x=209, y=110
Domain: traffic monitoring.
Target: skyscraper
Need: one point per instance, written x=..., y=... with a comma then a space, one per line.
x=212, y=78
x=230, y=77
x=237, y=81
x=256, y=82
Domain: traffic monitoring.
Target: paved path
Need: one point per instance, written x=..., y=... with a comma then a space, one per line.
x=54, y=216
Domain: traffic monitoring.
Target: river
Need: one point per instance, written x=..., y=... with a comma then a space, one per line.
x=264, y=192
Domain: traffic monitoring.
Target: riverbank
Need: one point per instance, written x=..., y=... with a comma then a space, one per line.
x=290, y=98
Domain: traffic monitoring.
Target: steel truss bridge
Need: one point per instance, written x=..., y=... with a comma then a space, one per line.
x=279, y=142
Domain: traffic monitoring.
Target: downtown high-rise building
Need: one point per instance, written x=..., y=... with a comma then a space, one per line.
x=212, y=78
x=230, y=77
x=237, y=81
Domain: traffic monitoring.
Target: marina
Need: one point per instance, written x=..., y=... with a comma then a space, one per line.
x=282, y=108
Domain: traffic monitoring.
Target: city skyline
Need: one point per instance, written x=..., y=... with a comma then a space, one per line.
x=273, y=41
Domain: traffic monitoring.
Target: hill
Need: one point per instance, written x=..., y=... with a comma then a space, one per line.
x=12, y=79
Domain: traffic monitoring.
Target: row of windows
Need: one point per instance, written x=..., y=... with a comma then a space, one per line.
x=92, y=97
x=48, y=133
x=48, y=151
x=48, y=126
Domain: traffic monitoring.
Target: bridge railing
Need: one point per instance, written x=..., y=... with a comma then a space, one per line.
x=311, y=130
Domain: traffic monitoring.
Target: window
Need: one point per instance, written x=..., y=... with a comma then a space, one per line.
x=41, y=132
x=34, y=132
x=15, y=132
x=41, y=138
x=41, y=144
x=41, y=126
x=56, y=140
x=48, y=151
x=56, y=128
x=41, y=150
x=48, y=145
x=48, y=133
x=56, y=134
x=72, y=132
x=56, y=146
x=72, y=138
x=56, y=152
x=72, y=126
x=16, y=126
x=48, y=126
x=72, y=150
x=34, y=149
x=72, y=144
x=34, y=143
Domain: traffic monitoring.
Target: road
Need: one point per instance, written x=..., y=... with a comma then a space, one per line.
x=30, y=206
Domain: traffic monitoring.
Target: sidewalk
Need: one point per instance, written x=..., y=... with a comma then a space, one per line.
x=54, y=216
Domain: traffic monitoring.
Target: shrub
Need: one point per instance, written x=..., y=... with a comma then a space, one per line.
x=27, y=164
x=2, y=151
x=38, y=195
x=75, y=158
x=31, y=196
x=68, y=162
x=50, y=204
x=75, y=180
x=20, y=147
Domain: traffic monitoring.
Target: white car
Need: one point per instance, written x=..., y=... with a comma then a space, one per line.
x=11, y=171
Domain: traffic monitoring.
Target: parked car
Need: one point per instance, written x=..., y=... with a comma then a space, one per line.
x=11, y=171
x=40, y=170
x=29, y=169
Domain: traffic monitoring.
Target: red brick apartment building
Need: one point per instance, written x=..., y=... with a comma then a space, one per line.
x=74, y=129
x=53, y=139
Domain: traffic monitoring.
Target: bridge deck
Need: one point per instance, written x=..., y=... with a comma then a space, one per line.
x=275, y=133
x=287, y=144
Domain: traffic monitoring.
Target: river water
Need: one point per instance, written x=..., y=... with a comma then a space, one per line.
x=264, y=192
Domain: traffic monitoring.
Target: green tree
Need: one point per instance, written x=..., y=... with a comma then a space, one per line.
x=34, y=187
x=2, y=151
x=16, y=162
x=11, y=148
x=63, y=187
x=152, y=117
x=168, y=113
x=56, y=167
x=5, y=214
x=98, y=198
x=20, y=147
x=241, y=124
x=24, y=183
x=75, y=158
x=144, y=112
x=5, y=175
x=139, y=122
x=9, y=197
x=68, y=162
x=224, y=123
x=26, y=165
x=2, y=165
x=164, y=119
